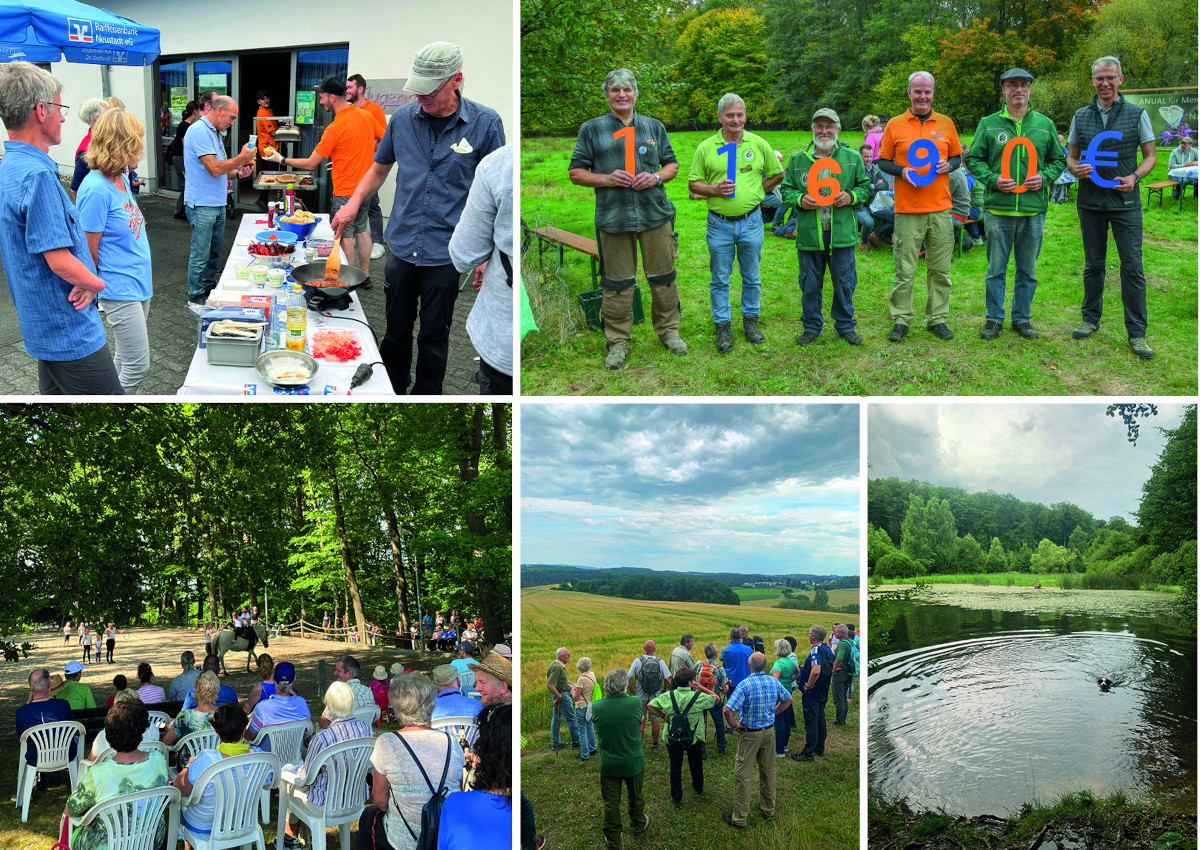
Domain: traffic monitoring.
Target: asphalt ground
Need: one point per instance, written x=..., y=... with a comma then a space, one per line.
x=172, y=327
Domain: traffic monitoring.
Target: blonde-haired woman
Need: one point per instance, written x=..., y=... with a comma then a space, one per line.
x=264, y=689
x=116, y=234
x=582, y=696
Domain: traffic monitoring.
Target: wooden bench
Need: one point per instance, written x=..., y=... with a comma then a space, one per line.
x=549, y=237
x=1152, y=188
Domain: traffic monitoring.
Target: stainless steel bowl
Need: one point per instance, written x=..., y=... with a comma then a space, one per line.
x=267, y=358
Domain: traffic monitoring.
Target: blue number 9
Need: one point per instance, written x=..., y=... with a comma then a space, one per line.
x=921, y=153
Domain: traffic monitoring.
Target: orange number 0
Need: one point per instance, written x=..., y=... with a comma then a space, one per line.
x=625, y=134
x=816, y=183
x=1006, y=161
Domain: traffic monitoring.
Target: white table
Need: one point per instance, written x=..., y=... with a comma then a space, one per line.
x=332, y=379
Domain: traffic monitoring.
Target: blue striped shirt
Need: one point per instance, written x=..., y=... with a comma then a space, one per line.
x=755, y=698
x=432, y=180
x=36, y=216
x=335, y=733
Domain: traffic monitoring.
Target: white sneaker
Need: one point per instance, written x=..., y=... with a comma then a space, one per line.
x=376, y=251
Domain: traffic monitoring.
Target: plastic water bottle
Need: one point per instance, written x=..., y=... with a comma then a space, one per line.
x=297, y=319
x=279, y=320
x=252, y=142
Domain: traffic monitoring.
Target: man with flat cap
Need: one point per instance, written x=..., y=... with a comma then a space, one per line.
x=1017, y=181
x=450, y=703
x=435, y=144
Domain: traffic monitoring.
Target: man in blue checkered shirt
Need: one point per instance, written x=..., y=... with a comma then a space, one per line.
x=751, y=711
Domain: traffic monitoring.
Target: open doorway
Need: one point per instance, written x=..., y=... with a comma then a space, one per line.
x=258, y=72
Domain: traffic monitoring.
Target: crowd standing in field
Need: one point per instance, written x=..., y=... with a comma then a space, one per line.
x=199, y=702
x=733, y=687
x=912, y=183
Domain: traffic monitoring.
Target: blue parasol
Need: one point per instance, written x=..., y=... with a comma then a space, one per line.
x=50, y=30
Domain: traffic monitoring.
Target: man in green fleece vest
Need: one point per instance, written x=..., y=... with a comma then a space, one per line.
x=618, y=720
x=1017, y=182
x=826, y=233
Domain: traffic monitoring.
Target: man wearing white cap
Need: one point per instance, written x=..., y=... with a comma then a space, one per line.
x=435, y=145
x=78, y=695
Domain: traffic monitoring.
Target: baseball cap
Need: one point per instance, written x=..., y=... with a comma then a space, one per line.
x=285, y=673
x=332, y=84
x=73, y=667
x=434, y=63
x=466, y=646
x=827, y=113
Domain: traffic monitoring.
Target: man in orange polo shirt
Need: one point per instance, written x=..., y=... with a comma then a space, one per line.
x=266, y=136
x=356, y=94
x=349, y=143
x=922, y=209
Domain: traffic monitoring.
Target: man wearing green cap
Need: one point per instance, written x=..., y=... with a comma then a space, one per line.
x=1014, y=206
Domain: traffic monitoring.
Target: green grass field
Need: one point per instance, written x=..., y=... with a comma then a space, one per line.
x=565, y=792
x=768, y=597
x=565, y=358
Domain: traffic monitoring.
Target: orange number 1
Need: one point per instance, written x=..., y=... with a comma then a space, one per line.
x=626, y=135
x=1006, y=161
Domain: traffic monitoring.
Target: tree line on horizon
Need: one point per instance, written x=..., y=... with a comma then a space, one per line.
x=787, y=58
x=917, y=528
x=659, y=588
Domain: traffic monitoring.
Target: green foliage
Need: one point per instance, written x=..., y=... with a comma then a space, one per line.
x=897, y=564
x=969, y=557
x=1167, y=512
x=1050, y=558
x=921, y=52
x=663, y=587
x=1156, y=40
x=879, y=606
x=997, y=562
x=878, y=545
x=974, y=57
x=821, y=600
x=722, y=50
x=928, y=534
x=1020, y=559
x=14, y=652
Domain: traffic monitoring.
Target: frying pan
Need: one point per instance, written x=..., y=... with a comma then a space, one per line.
x=309, y=273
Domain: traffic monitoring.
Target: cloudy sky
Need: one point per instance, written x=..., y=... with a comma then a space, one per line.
x=710, y=488
x=1037, y=452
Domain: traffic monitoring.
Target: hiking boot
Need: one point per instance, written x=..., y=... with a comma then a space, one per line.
x=990, y=330
x=897, y=333
x=751, y=332
x=766, y=816
x=676, y=345
x=616, y=357
x=806, y=338
x=724, y=337
x=940, y=331
x=1139, y=347
x=728, y=818
x=539, y=842
x=864, y=248
x=875, y=243
x=574, y=745
x=801, y=757
x=852, y=337
x=1085, y=330
x=1026, y=330
x=656, y=746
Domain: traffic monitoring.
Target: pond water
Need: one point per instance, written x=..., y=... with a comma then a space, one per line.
x=978, y=710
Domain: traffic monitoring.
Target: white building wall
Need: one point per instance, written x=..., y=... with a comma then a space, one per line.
x=383, y=38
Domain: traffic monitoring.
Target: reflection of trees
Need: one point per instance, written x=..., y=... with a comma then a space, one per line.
x=1165, y=744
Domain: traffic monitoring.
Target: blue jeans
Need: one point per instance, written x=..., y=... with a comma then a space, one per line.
x=1020, y=236
x=866, y=223
x=840, y=262
x=813, y=703
x=563, y=709
x=744, y=237
x=587, y=734
x=208, y=233
x=719, y=722
x=784, y=721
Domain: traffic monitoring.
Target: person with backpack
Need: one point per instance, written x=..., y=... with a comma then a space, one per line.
x=711, y=674
x=857, y=662
x=647, y=675
x=814, y=678
x=683, y=708
x=751, y=710
x=560, y=693
x=784, y=670
x=844, y=667
x=583, y=693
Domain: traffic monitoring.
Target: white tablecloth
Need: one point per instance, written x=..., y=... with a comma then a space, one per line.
x=332, y=379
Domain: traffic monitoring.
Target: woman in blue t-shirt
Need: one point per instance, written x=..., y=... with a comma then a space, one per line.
x=486, y=809
x=116, y=235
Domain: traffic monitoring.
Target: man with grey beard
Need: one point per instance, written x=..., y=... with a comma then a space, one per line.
x=826, y=226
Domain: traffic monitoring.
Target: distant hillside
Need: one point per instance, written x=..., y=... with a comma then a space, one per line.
x=535, y=575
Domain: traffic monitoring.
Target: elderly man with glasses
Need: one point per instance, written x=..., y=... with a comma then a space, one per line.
x=1181, y=166
x=1017, y=177
x=47, y=262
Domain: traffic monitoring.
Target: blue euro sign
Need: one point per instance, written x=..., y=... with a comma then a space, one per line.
x=923, y=152
x=1095, y=158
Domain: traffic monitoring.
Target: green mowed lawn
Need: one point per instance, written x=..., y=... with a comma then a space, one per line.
x=565, y=358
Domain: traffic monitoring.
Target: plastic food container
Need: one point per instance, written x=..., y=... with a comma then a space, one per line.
x=275, y=278
x=242, y=271
x=232, y=351
x=324, y=247
x=258, y=274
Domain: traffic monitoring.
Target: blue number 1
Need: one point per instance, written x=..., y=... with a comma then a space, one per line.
x=730, y=161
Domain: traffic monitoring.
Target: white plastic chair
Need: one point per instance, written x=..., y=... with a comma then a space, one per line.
x=287, y=742
x=131, y=820
x=190, y=744
x=238, y=782
x=108, y=752
x=52, y=741
x=459, y=727
x=466, y=683
x=160, y=717
x=368, y=715
x=345, y=766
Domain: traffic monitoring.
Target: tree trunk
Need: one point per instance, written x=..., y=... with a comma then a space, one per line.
x=360, y=617
x=393, y=530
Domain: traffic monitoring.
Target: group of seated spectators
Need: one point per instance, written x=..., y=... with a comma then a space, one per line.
x=396, y=791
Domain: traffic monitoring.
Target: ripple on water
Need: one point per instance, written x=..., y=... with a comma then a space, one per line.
x=987, y=723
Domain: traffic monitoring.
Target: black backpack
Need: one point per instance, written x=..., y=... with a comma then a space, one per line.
x=431, y=812
x=650, y=677
x=757, y=642
x=681, y=731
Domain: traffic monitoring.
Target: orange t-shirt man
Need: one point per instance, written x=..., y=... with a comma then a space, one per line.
x=376, y=111
x=349, y=144
x=900, y=135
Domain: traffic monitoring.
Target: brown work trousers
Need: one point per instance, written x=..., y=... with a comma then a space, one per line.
x=754, y=747
x=618, y=267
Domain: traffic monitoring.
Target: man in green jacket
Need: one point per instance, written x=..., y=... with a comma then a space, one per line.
x=1014, y=207
x=826, y=226
x=618, y=720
